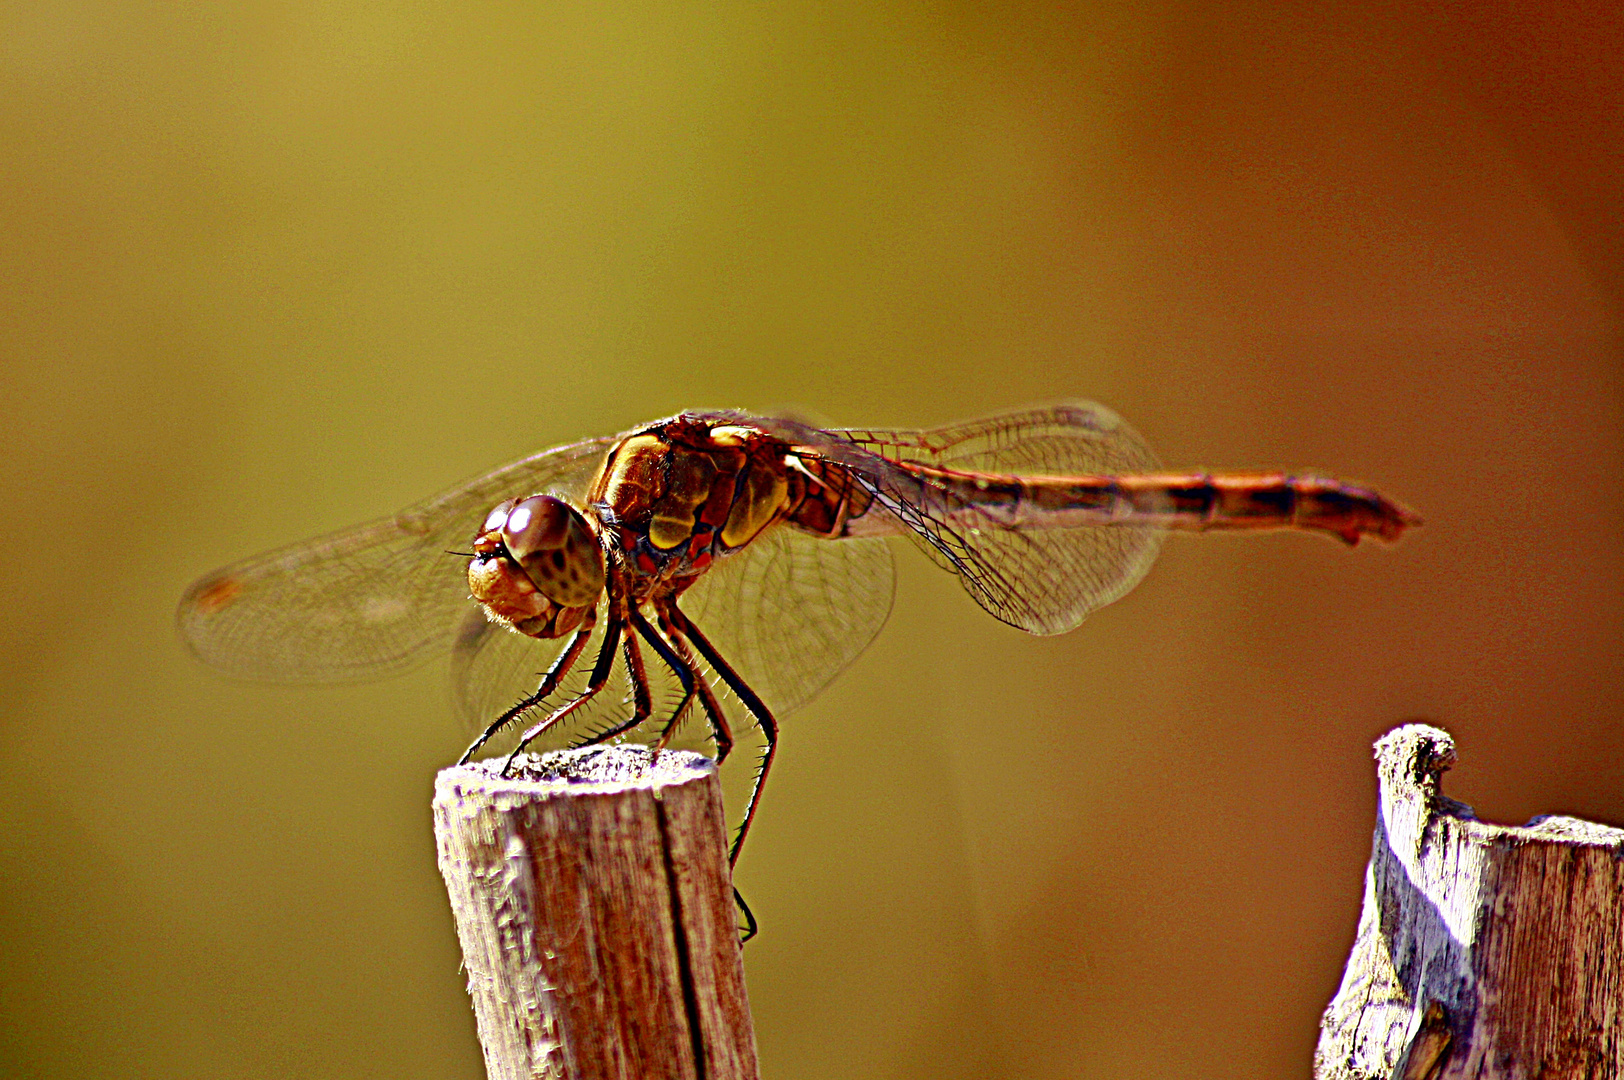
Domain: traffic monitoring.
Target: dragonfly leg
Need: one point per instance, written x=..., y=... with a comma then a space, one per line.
x=671, y=619
x=720, y=732
x=681, y=666
x=753, y=704
x=599, y=677
x=748, y=930
x=549, y=682
x=642, y=703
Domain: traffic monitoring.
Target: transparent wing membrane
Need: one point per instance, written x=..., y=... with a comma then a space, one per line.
x=1042, y=580
x=365, y=601
x=791, y=611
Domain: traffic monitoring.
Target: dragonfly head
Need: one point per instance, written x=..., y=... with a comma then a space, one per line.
x=537, y=566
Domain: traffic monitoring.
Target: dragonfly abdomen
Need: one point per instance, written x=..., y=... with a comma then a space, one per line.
x=1192, y=501
x=1231, y=501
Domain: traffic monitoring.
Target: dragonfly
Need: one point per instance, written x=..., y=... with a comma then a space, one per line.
x=718, y=552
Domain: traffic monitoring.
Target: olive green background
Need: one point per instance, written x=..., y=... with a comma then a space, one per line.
x=271, y=269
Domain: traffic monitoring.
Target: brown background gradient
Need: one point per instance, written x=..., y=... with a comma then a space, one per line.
x=271, y=269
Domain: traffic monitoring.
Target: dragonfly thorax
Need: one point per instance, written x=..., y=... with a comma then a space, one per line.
x=681, y=493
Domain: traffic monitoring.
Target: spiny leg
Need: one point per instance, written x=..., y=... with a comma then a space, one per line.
x=600, y=676
x=681, y=666
x=752, y=703
x=642, y=702
x=549, y=682
x=687, y=631
x=720, y=732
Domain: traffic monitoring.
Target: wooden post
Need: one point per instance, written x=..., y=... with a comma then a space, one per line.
x=1484, y=951
x=595, y=908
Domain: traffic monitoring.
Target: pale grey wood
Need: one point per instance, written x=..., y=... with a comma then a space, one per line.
x=594, y=904
x=1485, y=951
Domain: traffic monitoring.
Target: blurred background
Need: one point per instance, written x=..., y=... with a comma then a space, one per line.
x=272, y=269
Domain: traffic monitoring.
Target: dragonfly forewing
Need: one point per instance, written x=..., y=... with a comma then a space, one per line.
x=364, y=601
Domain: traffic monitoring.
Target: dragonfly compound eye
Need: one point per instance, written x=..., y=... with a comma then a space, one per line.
x=551, y=542
x=498, y=517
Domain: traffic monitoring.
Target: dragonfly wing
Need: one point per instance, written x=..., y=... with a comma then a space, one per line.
x=1045, y=581
x=493, y=668
x=790, y=611
x=367, y=600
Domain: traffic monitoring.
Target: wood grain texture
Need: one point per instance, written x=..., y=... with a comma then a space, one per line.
x=1484, y=951
x=594, y=905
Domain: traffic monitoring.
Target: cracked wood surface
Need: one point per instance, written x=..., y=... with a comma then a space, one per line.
x=1485, y=951
x=595, y=909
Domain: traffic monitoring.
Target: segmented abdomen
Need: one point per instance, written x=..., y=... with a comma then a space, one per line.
x=1196, y=501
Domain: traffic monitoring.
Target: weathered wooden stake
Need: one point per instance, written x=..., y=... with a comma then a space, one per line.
x=595, y=908
x=1483, y=951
